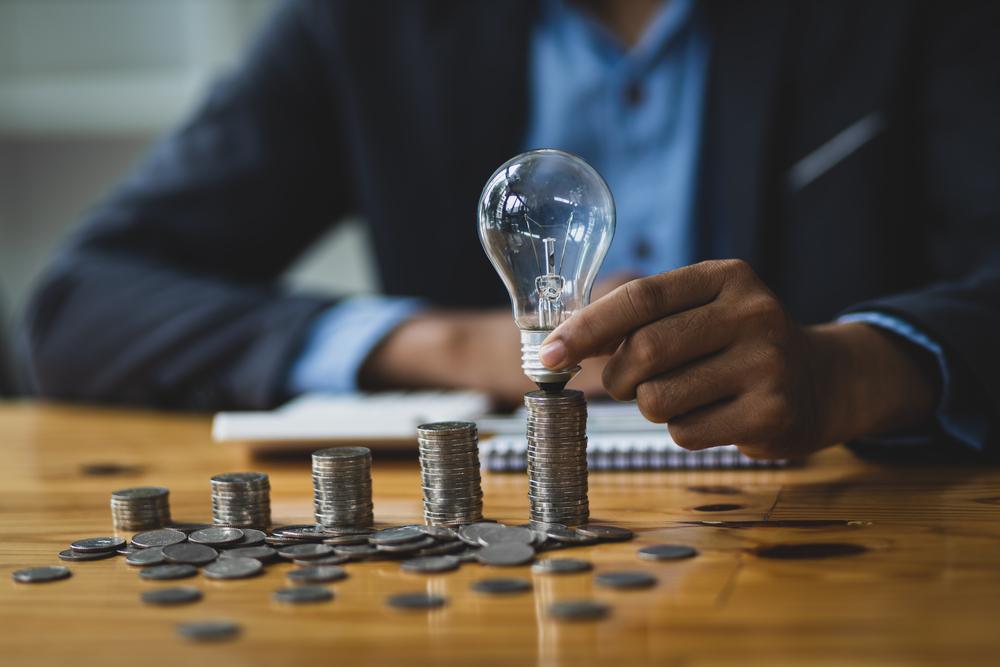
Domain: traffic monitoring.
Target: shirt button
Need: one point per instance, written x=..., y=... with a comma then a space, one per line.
x=633, y=94
x=642, y=249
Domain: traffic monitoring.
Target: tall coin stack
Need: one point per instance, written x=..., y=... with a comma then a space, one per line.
x=342, y=489
x=449, y=468
x=557, y=457
x=241, y=500
x=140, y=508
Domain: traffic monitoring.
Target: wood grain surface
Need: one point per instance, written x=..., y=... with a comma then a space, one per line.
x=925, y=591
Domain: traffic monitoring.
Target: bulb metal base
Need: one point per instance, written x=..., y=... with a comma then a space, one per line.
x=545, y=378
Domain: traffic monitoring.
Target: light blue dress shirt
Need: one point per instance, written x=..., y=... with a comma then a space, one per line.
x=636, y=116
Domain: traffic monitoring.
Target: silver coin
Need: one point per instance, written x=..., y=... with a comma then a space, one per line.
x=442, y=548
x=261, y=552
x=233, y=568
x=38, y=575
x=168, y=571
x=72, y=555
x=92, y=544
x=667, y=552
x=188, y=528
x=209, y=631
x=140, y=493
x=408, y=547
x=146, y=557
x=159, y=538
x=561, y=566
x=430, y=564
x=470, y=533
x=356, y=550
x=579, y=610
x=506, y=554
x=216, y=536
x=627, y=579
x=187, y=552
x=305, y=551
x=300, y=532
x=317, y=574
x=605, y=533
x=501, y=586
x=251, y=538
x=500, y=534
x=397, y=535
x=171, y=596
x=341, y=540
x=303, y=594
x=416, y=600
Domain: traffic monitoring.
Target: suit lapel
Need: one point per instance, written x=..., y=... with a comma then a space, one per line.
x=737, y=167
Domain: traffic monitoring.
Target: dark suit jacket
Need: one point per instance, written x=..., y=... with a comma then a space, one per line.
x=851, y=155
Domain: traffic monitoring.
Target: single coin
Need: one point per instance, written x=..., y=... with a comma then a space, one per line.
x=168, y=571
x=305, y=551
x=38, y=575
x=332, y=559
x=187, y=552
x=579, y=610
x=159, y=538
x=500, y=534
x=144, y=557
x=341, y=540
x=561, y=566
x=251, y=538
x=300, y=531
x=439, y=532
x=667, y=552
x=505, y=554
x=442, y=548
x=233, y=568
x=430, y=564
x=470, y=532
x=608, y=533
x=70, y=554
x=92, y=544
x=303, y=594
x=397, y=535
x=356, y=551
x=209, y=631
x=501, y=586
x=417, y=600
x=263, y=553
x=317, y=574
x=188, y=528
x=423, y=542
x=216, y=536
x=171, y=596
x=625, y=579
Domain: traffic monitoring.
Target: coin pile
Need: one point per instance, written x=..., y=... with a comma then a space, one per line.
x=140, y=508
x=557, y=457
x=342, y=489
x=449, y=468
x=242, y=500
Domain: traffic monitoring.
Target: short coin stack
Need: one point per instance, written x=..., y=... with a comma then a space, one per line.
x=557, y=457
x=140, y=508
x=241, y=500
x=449, y=467
x=342, y=489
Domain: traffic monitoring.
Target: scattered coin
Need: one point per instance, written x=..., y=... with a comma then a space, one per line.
x=332, y=559
x=579, y=610
x=209, y=630
x=301, y=531
x=187, y=528
x=38, y=575
x=471, y=533
x=398, y=535
x=71, y=554
x=171, y=596
x=263, y=553
x=667, y=552
x=341, y=540
x=809, y=550
x=439, y=532
x=251, y=538
x=422, y=542
x=606, y=533
x=719, y=507
x=168, y=571
x=430, y=564
x=317, y=574
x=501, y=586
x=303, y=594
x=417, y=600
x=92, y=544
x=561, y=566
x=145, y=557
x=356, y=551
x=159, y=538
x=499, y=534
x=625, y=579
x=233, y=568
x=216, y=536
x=305, y=551
x=187, y=552
x=506, y=554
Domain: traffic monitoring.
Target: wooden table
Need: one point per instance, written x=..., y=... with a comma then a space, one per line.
x=925, y=591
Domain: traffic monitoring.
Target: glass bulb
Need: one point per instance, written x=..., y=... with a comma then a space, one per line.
x=546, y=219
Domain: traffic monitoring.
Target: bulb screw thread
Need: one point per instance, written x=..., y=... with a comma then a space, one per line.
x=532, y=366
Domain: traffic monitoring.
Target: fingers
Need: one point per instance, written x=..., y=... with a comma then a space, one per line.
x=751, y=421
x=667, y=344
x=602, y=325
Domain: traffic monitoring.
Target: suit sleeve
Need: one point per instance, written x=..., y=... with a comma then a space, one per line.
x=167, y=293
x=960, y=192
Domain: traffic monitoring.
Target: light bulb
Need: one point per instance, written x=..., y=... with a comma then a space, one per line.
x=546, y=219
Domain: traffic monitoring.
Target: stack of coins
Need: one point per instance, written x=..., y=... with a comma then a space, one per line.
x=140, y=508
x=449, y=466
x=241, y=500
x=342, y=489
x=557, y=457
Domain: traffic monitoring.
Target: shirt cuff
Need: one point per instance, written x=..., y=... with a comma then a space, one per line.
x=953, y=414
x=341, y=339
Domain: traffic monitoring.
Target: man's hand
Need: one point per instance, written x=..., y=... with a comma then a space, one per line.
x=709, y=350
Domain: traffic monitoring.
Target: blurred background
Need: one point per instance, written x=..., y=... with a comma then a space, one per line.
x=85, y=87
